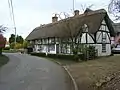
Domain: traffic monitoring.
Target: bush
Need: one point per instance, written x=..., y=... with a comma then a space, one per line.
x=39, y=54
x=66, y=57
x=7, y=48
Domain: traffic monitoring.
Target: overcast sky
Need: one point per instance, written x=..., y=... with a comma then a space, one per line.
x=31, y=13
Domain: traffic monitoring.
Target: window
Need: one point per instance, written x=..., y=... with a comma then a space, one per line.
x=40, y=48
x=51, y=48
x=51, y=40
x=103, y=27
x=103, y=47
x=103, y=42
x=85, y=28
x=103, y=37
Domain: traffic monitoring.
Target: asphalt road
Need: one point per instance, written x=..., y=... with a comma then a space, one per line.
x=25, y=72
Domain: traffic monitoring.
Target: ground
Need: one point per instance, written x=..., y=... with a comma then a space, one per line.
x=3, y=60
x=25, y=72
x=99, y=74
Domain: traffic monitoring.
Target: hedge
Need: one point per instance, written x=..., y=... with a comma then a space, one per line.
x=38, y=54
x=60, y=56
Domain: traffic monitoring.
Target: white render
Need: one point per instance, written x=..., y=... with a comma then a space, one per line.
x=99, y=49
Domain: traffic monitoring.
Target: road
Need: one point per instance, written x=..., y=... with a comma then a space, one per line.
x=25, y=72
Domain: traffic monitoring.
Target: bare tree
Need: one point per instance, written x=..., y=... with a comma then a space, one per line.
x=2, y=29
x=84, y=7
x=114, y=8
x=73, y=28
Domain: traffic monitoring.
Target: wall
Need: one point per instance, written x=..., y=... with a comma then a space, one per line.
x=99, y=36
x=99, y=49
x=89, y=38
x=44, y=49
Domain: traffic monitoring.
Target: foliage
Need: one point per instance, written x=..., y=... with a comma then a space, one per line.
x=19, y=39
x=12, y=38
x=2, y=43
x=25, y=44
x=12, y=45
x=18, y=46
x=7, y=48
x=89, y=52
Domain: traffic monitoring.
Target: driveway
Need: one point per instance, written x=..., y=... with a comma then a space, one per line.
x=25, y=72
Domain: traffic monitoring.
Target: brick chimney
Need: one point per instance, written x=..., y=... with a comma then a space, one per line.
x=76, y=13
x=55, y=18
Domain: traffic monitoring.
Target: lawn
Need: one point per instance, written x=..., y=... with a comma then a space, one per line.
x=3, y=60
x=94, y=74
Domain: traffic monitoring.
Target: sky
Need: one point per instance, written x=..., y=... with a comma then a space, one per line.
x=32, y=13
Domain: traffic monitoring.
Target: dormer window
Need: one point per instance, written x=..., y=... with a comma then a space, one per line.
x=85, y=28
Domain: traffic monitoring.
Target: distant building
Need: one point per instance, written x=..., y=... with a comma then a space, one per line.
x=116, y=40
x=55, y=37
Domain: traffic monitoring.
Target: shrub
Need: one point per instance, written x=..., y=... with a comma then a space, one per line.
x=52, y=55
x=7, y=48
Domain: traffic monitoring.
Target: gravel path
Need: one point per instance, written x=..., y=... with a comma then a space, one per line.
x=25, y=72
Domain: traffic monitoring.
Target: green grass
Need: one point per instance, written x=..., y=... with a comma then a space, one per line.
x=10, y=51
x=3, y=60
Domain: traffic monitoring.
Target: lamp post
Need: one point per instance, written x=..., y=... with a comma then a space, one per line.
x=15, y=36
x=73, y=5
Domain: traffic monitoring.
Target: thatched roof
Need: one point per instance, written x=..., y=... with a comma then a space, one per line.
x=72, y=25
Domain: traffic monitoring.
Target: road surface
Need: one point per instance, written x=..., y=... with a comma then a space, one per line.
x=25, y=72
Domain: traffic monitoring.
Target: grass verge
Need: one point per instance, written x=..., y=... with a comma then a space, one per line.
x=94, y=74
x=3, y=60
x=10, y=51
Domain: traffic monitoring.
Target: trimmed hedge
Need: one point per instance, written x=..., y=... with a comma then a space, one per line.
x=38, y=54
x=60, y=56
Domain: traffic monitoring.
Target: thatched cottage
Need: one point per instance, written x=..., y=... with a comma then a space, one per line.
x=90, y=28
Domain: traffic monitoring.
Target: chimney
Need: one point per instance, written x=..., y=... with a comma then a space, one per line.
x=76, y=13
x=55, y=18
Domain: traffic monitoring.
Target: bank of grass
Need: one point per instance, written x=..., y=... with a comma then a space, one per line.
x=3, y=60
x=11, y=51
x=94, y=74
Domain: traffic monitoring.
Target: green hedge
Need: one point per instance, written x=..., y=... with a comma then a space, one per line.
x=38, y=54
x=67, y=57
x=60, y=56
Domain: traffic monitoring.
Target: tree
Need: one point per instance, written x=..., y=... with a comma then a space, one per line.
x=2, y=43
x=18, y=46
x=12, y=38
x=114, y=8
x=25, y=44
x=19, y=39
x=2, y=29
x=2, y=39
